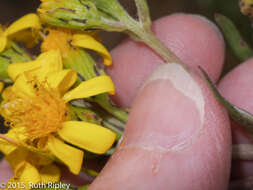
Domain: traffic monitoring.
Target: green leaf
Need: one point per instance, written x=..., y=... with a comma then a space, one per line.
x=11, y=55
x=240, y=116
x=237, y=44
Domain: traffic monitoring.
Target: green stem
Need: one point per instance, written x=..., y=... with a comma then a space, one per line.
x=99, y=116
x=153, y=42
x=141, y=33
x=240, y=116
x=104, y=101
x=113, y=127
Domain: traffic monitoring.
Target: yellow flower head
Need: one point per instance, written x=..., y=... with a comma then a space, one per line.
x=21, y=30
x=66, y=40
x=35, y=107
x=30, y=167
x=42, y=114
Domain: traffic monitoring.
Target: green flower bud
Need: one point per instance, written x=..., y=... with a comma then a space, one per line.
x=81, y=14
x=107, y=15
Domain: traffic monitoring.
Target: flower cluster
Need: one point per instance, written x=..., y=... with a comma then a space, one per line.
x=36, y=105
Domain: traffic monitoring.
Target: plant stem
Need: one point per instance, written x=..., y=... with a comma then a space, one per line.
x=153, y=42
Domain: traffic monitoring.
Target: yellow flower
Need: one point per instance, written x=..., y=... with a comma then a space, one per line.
x=21, y=30
x=35, y=108
x=30, y=167
x=66, y=40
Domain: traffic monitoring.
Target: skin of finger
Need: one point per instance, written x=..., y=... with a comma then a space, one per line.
x=194, y=39
x=166, y=147
x=236, y=87
x=5, y=171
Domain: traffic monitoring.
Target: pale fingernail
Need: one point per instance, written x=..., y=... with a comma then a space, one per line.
x=168, y=112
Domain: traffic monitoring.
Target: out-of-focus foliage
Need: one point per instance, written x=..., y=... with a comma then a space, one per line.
x=229, y=8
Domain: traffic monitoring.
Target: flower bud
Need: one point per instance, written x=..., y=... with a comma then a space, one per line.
x=82, y=14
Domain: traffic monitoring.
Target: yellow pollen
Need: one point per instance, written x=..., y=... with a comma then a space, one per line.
x=41, y=114
x=57, y=39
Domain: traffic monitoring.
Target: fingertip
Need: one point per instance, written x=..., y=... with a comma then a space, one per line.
x=194, y=39
x=170, y=136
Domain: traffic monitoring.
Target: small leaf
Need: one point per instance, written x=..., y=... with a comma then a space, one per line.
x=10, y=55
x=240, y=116
x=237, y=44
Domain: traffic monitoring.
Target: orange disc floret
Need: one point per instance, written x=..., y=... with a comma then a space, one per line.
x=41, y=114
x=57, y=39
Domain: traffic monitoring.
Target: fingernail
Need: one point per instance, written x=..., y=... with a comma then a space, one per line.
x=168, y=112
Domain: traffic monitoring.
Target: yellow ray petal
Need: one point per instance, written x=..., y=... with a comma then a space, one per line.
x=15, y=69
x=46, y=63
x=51, y=62
x=3, y=42
x=28, y=174
x=69, y=155
x=62, y=80
x=25, y=22
x=14, y=135
x=17, y=157
x=6, y=148
x=91, y=137
x=50, y=173
x=91, y=87
x=87, y=41
x=23, y=87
